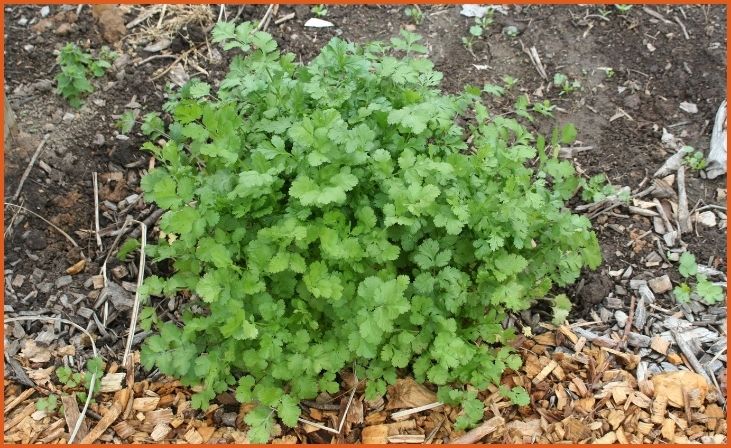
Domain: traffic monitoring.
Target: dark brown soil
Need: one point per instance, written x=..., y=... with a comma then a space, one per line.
x=655, y=69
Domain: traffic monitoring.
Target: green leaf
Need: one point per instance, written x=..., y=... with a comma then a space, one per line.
x=260, y=424
x=126, y=122
x=130, y=245
x=517, y=395
x=709, y=291
x=568, y=134
x=687, y=266
x=289, y=411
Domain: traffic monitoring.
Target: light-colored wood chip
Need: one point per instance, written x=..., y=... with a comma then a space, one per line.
x=72, y=415
x=660, y=344
x=112, y=382
x=145, y=404
x=193, y=437
x=109, y=417
x=545, y=372
x=160, y=431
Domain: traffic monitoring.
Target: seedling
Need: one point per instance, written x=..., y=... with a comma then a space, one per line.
x=74, y=381
x=319, y=10
x=604, y=12
x=608, y=72
x=415, y=14
x=623, y=9
x=478, y=30
x=695, y=160
x=598, y=188
x=567, y=86
x=509, y=81
x=545, y=108
x=703, y=288
x=72, y=82
x=48, y=404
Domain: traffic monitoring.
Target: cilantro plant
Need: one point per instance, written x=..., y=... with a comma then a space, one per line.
x=346, y=214
x=72, y=82
x=74, y=382
x=48, y=404
x=703, y=288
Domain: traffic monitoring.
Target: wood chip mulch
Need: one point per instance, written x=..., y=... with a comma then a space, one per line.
x=580, y=392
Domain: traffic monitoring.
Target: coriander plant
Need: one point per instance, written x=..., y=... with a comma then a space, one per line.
x=348, y=214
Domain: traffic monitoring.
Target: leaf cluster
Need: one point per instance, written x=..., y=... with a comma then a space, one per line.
x=76, y=67
x=702, y=288
x=346, y=214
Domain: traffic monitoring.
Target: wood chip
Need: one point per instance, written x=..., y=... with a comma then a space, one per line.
x=72, y=415
x=545, y=372
x=145, y=404
x=160, y=431
x=109, y=417
x=193, y=437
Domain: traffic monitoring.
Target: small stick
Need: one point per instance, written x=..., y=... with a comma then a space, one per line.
x=656, y=15
x=434, y=431
x=21, y=398
x=283, y=19
x=136, y=307
x=220, y=12
x=406, y=412
x=162, y=15
x=96, y=211
x=481, y=431
x=29, y=167
x=630, y=319
x=264, y=19
x=685, y=32
x=683, y=215
x=46, y=221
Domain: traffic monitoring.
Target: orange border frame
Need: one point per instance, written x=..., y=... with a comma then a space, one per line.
x=341, y=2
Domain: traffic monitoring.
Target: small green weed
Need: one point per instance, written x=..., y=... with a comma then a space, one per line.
x=567, y=86
x=48, y=404
x=703, y=288
x=598, y=188
x=415, y=14
x=319, y=10
x=76, y=66
x=623, y=9
x=478, y=30
x=695, y=160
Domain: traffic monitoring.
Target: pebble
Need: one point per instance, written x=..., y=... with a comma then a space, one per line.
x=707, y=218
x=636, y=283
x=660, y=285
x=45, y=11
x=23, y=21
x=48, y=127
x=28, y=48
x=45, y=287
x=638, y=340
x=68, y=116
x=63, y=281
x=98, y=139
x=18, y=281
x=35, y=240
x=621, y=317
